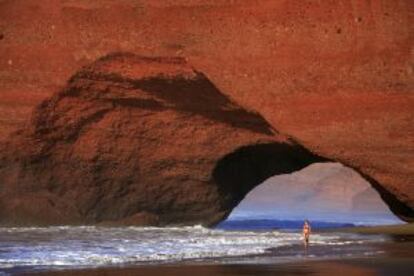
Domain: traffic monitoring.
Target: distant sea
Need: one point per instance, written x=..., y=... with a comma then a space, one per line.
x=274, y=224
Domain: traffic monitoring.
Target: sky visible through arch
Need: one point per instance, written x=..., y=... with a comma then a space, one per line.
x=322, y=191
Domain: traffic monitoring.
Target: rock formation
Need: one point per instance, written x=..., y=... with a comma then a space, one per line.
x=136, y=140
x=337, y=76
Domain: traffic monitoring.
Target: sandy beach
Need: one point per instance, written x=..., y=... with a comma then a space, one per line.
x=399, y=261
x=397, y=258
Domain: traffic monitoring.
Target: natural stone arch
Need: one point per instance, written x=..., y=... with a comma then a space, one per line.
x=247, y=167
x=142, y=141
x=237, y=173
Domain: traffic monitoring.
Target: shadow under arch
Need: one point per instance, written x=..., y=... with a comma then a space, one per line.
x=247, y=167
x=238, y=172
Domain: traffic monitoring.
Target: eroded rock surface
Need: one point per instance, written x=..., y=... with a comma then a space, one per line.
x=136, y=140
x=336, y=75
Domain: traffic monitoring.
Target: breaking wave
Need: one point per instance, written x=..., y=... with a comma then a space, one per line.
x=90, y=246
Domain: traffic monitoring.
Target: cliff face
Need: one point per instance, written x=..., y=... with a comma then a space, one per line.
x=337, y=76
x=138, y=140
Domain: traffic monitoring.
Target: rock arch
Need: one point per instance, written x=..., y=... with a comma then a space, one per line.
x=143, y=141
x=247, y=167
x=243, y=169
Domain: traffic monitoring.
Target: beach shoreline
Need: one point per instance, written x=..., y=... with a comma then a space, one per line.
x=398, y=260
x=389, y=252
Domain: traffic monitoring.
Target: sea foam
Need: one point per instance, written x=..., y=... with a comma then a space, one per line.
x=90, y=246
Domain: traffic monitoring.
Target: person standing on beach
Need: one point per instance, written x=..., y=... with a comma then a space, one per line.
x=306, y=232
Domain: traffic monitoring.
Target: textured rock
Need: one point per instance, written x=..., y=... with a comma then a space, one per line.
x=135, y=140
x=335, y=75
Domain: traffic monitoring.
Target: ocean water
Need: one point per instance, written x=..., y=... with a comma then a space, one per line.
x=65, y=247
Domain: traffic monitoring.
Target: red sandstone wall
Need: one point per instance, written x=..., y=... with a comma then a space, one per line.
x=336, y=75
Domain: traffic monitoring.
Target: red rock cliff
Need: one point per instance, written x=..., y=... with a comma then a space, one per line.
x=337, y=76
x=139, y=140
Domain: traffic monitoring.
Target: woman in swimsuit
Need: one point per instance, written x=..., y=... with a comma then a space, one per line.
x=306, y=232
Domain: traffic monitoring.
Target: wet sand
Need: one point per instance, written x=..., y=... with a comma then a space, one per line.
x=397, y=259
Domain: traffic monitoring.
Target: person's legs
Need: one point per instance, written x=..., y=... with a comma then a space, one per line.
x=306, y=238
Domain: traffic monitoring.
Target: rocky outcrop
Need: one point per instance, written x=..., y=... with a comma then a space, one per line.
x=136, y=140
x=335, y=75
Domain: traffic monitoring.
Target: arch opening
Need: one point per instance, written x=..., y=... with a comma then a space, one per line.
x=250, y=168
x=325, y=192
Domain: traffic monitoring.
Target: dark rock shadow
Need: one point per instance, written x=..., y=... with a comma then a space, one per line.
x=240, y=171
x=196, y=95
x=200, y=96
